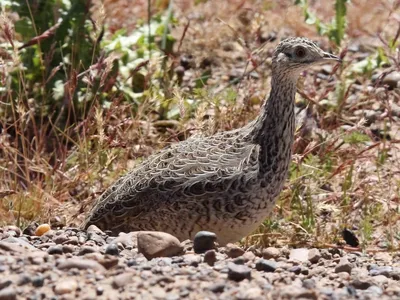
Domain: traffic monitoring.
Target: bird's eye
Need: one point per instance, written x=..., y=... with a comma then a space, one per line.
x=300, y=52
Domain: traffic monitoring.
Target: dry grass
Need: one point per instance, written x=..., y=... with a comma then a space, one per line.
x=345, y=171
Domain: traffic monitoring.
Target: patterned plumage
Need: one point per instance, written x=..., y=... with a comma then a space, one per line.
x=226, y=183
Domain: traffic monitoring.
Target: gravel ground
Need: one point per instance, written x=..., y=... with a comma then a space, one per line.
x=73, y=264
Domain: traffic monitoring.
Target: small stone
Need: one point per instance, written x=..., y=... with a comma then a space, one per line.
x=343, y=266
x=295, y=269
x=249, y=256
x=80, y=264
x=99, y=290
x=192, y=259
x=57, y=249
x=122, y=280
x=158, y=244
x=239, y=260
x=300, y=254
x=392, y=79
x=86, y=249
x=94, y=229
x=23, y=279
x=128, y=240
x=30, y=229
x=112, y=249
x=203, y=241
x=265, y=265
x=42, y=229
x=217, y=287
x=5, y=283
x=382, y=270
x=210, y=257
x=314, y=256
x=238, y=272
x=38, y=281
x=309, y=284
x=67, y=248
x=59, y=239
x=271, y=252
x=234, y=251
x=360, y=284
x=8, y=294
x=375, y=290
x=66, y=286
x=383, y=256
x=379, y=280
x=13, y=228
x=158, y=292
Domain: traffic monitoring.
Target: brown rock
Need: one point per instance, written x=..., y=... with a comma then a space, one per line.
x=158, y=244
x=65, y=286
x=314, y=256
x=234, y=251
x=81, y=264
x=122, y=280
x=271, y=252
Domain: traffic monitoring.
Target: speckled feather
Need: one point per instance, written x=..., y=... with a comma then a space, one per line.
x=226, y=183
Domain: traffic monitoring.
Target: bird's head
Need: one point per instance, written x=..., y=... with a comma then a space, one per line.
x=294, y=55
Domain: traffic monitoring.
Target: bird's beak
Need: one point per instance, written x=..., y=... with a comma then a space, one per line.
x=330, y=57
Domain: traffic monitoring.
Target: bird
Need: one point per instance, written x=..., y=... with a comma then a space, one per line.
x=226, y=183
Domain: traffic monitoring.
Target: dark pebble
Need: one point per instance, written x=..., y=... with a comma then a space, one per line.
x=203, y=241
x=57, y=249
x=295, y=269
x=217, y=287
x=99, y=290
x=210, y=257
x=23, y=279
x=238, y=272
x=112, y=249
x=5, y=283
x=239, y=260
x=86, y=249
x=38, y=281
x=265, y=265
x=132, y=262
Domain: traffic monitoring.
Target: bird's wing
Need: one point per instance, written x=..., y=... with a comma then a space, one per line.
x=187, y=169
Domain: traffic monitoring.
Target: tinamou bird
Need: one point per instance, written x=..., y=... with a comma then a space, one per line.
x=226, y=183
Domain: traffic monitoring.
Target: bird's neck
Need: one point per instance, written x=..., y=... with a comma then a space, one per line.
x=274, y=128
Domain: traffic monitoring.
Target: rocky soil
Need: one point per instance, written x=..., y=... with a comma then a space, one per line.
x=70, y=263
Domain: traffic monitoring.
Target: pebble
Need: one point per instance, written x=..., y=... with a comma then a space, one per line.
x=8, y=293
x=265, y=265
x=154, y=244
x=300, y=254
x=392, y=80
x=112, y=249
x=42, y=229
x=343, y=266
x=86, y=249
x=238, y=272
x=58, y=249
x=383, y=270
x=271, y=252
x=203, y=241
x=80, y=264
x=234, y=251
x=38, y=281
x=210, y=257
x=122, y=280
x=66, y=286
x=314, y=256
